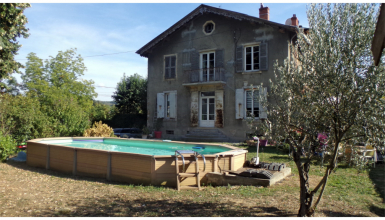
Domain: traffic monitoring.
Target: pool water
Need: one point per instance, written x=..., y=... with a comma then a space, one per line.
x=140, y=147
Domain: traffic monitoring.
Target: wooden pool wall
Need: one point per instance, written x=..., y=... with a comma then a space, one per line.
x=127, y=167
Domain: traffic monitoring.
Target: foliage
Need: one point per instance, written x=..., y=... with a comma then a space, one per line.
x=99, y=130
x=12, y=26
x=328, y=84
x=22, y=118
x=158, y=124
x=65, y=98
x=7, y=146
x=145, y=130
x=131, y=95
x=102, y=112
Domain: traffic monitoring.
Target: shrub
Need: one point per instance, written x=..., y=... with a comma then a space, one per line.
x=99, y=130
x=7, y=146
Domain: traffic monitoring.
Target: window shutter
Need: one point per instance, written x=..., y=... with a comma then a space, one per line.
x=194, y=56
x=239, y=106
x=173, y=67
x=239, y=59
x=160, y=105
x=172, y=99
x=263, y=57
x=219, y=58
x=263, y=100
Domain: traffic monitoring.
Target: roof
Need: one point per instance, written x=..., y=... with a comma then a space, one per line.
x=379, y=36
x=204, y=9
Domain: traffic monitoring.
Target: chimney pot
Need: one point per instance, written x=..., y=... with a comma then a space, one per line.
x=294, y=20
x=264, y=12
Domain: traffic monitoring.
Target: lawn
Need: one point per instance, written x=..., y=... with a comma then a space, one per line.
x=28, y=191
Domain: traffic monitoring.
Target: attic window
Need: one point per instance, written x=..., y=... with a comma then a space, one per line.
x=208, y=27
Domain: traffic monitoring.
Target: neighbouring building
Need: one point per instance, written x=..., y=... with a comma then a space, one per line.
x=204, y=72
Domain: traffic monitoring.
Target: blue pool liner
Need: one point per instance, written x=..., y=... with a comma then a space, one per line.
x=98, y=140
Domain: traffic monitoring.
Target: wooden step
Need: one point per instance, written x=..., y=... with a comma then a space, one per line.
x=188, y=174
x=189, y=188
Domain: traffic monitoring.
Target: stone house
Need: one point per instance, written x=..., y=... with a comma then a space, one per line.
x=204, y=72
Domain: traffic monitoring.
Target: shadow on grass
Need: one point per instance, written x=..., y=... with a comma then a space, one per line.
x=377, y=175
x=377, y=210
x=24, y=166
x=340, y=214
x=110, y=206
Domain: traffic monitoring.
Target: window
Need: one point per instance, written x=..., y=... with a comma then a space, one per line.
x=252, y=103
x=252, y=58
x=166, y=105
x=170, y=67
x=207, y=65
x=248, y=103
x=208, y=27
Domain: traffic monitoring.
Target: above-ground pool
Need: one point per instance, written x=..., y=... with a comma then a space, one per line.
x=139, y=146
x=137, y=161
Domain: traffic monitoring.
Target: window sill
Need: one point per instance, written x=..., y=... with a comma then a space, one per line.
x=171, y=79
x=252, y=72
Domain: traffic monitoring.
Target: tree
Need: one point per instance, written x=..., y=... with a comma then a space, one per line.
x=328, y=84
x=65, y=99
x=12, y=26
x=131, y=95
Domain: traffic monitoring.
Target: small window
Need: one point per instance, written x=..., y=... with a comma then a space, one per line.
x=209, y=27
x=252, y=58
x=170, y=67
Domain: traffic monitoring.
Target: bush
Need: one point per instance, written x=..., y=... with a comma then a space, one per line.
x=7, y=146
x=99, y=130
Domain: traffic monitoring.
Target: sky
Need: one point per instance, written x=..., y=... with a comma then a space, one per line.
x=107, y=35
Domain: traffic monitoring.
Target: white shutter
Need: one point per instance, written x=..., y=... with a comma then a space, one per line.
x=239, y=105
x=160, y=105
x=263, y=100
x=172, y=100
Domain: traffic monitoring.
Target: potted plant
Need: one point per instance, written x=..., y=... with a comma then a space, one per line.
x=262, y=141
x=145, y=132
x=158, y=126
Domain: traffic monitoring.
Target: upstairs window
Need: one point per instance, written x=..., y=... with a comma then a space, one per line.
x=252, y=58
x=170, y=67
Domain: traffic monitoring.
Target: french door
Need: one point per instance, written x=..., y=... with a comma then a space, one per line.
x=207, y=109
x=207, y=67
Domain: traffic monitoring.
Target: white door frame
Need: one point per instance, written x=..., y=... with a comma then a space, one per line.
x=206, y=123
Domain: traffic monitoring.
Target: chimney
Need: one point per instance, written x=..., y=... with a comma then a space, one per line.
x=264, y=12
x=294, y=20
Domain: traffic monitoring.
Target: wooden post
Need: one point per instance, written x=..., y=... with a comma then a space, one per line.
x=177, y=173
x=215, y=164
x=48, y=158
x=109, y=167
x=153, y=171
x=75, y=163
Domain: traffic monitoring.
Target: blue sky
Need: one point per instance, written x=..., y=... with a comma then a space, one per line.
x=122, y=28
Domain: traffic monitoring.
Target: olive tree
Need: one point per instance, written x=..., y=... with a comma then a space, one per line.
x=328, y=84
x=12, y=26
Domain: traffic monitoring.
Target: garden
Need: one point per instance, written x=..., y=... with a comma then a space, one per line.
x=27, y=191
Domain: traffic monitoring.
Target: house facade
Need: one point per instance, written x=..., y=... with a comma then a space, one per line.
x=205, y=72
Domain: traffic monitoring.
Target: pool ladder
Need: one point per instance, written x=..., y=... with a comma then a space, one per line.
x=183, y=175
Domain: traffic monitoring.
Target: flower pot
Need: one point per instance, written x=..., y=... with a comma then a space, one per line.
x=158, y=134
x=144, y=136
x=262, y=143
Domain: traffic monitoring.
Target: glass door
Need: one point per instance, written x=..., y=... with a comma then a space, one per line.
x=207, y=109
x=207, y=67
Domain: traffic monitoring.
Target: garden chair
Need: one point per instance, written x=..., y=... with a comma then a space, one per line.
x=370, y=153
